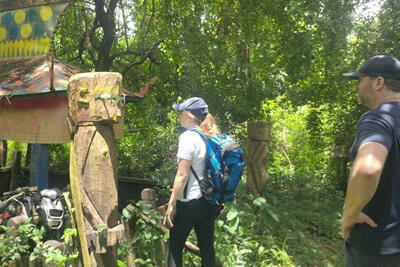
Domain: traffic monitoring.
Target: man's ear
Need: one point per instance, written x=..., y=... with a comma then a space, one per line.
x=379, y=83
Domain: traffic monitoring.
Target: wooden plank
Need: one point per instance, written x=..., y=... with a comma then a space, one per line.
x=6, y=5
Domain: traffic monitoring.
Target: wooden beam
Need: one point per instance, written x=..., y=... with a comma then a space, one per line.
x=6, y=5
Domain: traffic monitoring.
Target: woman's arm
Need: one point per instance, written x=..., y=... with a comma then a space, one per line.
x=180, y=181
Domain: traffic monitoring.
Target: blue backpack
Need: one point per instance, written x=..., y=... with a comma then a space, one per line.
x=224, y=168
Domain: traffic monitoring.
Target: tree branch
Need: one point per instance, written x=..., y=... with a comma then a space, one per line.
x=125, y=27
x=87, y=36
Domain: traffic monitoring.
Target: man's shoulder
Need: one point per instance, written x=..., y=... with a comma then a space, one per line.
x=387, y=108
x=383, y=113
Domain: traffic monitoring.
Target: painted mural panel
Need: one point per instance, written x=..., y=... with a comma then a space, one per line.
x=28, y=32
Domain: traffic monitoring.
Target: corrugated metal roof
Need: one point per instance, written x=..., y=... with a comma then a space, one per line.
x=33, y=75
x=30, y=77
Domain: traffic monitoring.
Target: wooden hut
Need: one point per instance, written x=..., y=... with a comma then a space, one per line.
x=33, y=83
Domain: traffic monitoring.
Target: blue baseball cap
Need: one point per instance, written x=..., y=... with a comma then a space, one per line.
x=194, y=105
x=387, y=67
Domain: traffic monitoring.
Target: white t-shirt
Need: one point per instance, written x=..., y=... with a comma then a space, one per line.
x=192, y=147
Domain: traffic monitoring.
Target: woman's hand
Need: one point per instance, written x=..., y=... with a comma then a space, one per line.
x=169, y=215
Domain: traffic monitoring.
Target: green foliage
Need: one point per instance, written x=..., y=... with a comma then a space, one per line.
x=59, y=156
x=17, y=243
x=149, y=146
x=13, y=147
x=121, y=264
x=146, y=238
x=26, y=240
x=309, y=225
x=278, y=61
x=55, y=255
x=277, y=229
x=292, y=148
x=234, y=54
x=309, y=140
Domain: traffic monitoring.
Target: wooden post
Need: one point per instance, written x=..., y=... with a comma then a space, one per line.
x=39, y=166
x=3, y=153
x=259, y=134
x=149, y=196
x=28, y=156
x=93, y=106
x=15, y=170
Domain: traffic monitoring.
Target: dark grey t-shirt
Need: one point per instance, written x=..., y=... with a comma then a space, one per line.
x=381, y=125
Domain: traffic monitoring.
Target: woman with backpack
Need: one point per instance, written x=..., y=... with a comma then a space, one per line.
x=187, y=209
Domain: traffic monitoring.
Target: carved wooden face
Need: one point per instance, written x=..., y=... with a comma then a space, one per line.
x=95, y=97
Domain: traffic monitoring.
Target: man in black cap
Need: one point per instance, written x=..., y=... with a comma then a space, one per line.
x=371, y=213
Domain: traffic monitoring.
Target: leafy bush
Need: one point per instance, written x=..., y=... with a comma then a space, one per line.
x=287, y=227
x=26, y=240
x=146, y=238
x=17, y=243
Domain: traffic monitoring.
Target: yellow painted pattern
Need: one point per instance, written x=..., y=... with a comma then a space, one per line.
x=2, y=33
x=28, y=32
x=1, y=49
x=24, y=48
x=46, y=13
x=19, y=16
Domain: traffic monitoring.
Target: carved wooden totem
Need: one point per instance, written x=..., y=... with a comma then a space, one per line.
x=94, y=104
x=259, y=134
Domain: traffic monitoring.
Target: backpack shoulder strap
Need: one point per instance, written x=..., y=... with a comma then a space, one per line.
x=191, y=167
x=195, y=174
x=186, y=186
x=200, y=133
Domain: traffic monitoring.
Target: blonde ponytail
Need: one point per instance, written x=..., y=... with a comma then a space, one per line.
x=206, y=125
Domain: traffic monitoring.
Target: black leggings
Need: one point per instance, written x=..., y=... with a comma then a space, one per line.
x=197, y=214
